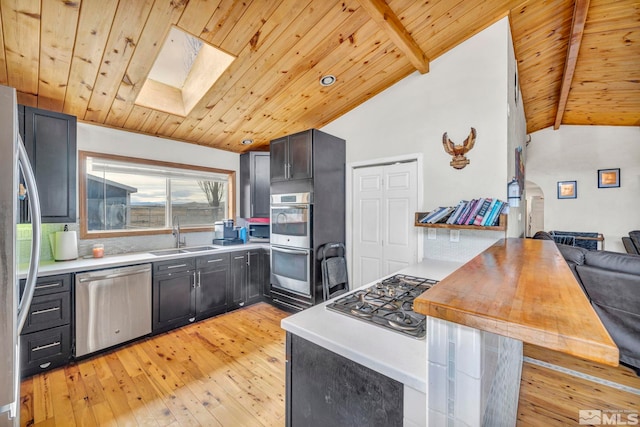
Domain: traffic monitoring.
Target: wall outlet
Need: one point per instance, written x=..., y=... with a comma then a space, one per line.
x=431, y=234
x=454, y=235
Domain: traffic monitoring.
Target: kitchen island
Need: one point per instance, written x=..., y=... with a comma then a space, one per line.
x=388, y=353
x=468, y=369
x=517, y=291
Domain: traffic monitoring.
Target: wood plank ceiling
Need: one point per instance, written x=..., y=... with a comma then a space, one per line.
x=90, y=58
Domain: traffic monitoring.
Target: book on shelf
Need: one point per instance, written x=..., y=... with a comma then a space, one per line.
x=440, y=215
x=464, y=216
x=428, y=217
x=482, y=212
x=474, y=212
x=494, y=214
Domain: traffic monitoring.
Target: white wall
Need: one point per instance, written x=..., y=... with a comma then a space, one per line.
x=467, y=86
x=575, y=153
x=112, y=141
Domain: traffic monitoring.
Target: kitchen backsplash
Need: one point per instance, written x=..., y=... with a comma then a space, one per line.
x=470, y=244
x=112, y=246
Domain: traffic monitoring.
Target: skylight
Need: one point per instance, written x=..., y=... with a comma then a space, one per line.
x=185, y=69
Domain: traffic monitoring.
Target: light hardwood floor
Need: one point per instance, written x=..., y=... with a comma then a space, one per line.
x=224, y=371
x=229, y=371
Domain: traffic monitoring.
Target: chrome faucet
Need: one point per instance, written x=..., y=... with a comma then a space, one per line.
x=176, y=233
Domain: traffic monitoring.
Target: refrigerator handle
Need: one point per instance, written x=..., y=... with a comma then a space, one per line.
x=34, y=214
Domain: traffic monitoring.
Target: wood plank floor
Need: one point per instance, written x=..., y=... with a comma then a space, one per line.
x=229, y=371
x=224, y=371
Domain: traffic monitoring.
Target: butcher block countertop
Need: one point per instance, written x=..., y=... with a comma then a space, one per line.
x=522, y=289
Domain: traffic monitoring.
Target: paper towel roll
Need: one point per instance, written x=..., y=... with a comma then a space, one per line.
x=66, y=246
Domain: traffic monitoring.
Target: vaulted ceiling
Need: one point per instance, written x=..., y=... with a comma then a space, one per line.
x=578, y=61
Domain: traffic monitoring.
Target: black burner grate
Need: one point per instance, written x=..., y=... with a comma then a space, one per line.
x=388, y=303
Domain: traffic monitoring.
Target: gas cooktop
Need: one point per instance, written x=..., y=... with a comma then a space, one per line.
x=388, y=304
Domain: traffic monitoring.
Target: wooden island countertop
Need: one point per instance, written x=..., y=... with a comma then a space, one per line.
x=522, y=289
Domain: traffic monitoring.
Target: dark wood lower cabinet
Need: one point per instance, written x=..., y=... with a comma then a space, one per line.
x=213, y=274
x=45, y=341
x=189, y=289
x=326, y=389
x=173, y=294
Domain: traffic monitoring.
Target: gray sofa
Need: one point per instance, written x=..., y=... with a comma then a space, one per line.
x=611, y=281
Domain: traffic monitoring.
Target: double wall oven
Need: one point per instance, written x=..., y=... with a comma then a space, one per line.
x=292, y=247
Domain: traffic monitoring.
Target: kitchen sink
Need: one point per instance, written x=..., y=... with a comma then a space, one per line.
x=198, y=248
x=167, y=252
x=175, y=251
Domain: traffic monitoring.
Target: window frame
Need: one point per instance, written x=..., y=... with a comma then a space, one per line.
x=82, y=195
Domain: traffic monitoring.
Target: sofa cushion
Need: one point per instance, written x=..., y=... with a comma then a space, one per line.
x=623, y=263
x=624, y=330
x=635, y=238
x=629, y=246
x=573, y=254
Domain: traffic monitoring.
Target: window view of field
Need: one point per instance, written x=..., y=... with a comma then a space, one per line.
x=117, y=201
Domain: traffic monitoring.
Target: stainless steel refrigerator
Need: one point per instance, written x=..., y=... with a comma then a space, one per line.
x=13, y=307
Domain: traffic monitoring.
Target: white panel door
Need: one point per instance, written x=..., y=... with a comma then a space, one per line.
x=384, y=203
x=367, y=225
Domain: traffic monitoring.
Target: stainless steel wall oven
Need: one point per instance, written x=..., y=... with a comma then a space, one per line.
x=291, y=269
x=291, y=219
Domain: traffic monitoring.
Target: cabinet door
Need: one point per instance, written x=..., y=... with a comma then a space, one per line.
x=266, y=273
x=300, y=155
x=238, y=279
x=278, y=159
x=45, y=350
x=211, y=295
x=173, y=300
x=50, y=140
x=260, y=188
x=254, y=276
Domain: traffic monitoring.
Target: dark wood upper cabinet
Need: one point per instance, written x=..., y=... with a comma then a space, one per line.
x=50, y=141
x=254, y=184
x=291, y=157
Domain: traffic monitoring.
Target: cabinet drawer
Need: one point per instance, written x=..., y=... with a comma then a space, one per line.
x=47, y=311
x=213, y=260
x=50, y=284
x=44, y=350
x=173, y=266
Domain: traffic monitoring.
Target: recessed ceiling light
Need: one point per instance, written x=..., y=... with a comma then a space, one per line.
x=247, y=141
x=327, y=80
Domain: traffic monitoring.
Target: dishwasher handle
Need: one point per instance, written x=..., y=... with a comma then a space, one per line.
x=114, y=275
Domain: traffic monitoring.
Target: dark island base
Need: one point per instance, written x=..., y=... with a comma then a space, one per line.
x=326, y=389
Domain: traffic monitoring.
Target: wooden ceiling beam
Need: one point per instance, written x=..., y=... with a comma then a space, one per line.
x=382, y=14
x=577, y=29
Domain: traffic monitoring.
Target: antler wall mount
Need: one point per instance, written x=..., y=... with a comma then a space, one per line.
x=458, y=152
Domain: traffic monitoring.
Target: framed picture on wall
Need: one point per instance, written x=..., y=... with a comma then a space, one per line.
x=567, y=189
x=608, y=178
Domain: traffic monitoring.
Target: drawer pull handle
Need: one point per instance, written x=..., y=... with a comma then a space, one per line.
x=176, y=266
x=239, y=257
x=43, y=347
x=46, y=310
x=50, y=285
x=45, y=365
x=214, y=260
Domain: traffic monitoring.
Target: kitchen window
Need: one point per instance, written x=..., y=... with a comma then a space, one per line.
x=124, y=196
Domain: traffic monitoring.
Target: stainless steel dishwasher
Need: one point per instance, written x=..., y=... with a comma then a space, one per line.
x=112, y=306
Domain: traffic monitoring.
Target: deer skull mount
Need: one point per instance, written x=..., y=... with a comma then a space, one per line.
x=459, y=161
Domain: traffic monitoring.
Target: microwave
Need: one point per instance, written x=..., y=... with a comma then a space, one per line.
x=258, y=231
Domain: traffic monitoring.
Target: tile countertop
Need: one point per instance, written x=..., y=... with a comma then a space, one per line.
x=49, y=268
x=388, y=352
